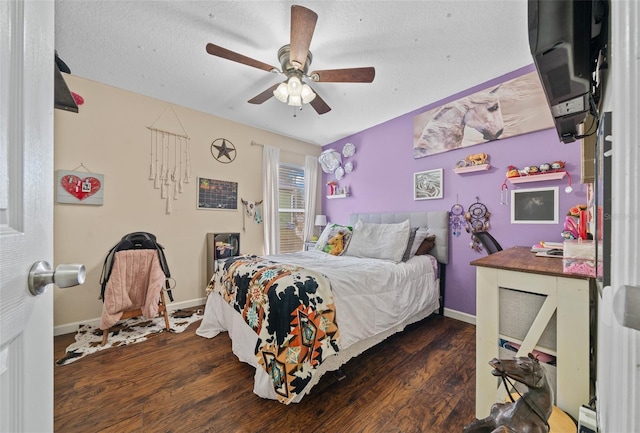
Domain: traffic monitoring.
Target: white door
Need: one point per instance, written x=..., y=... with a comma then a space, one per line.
x=26, y=213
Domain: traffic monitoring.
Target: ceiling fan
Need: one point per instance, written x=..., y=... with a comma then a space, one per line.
x=295, y=59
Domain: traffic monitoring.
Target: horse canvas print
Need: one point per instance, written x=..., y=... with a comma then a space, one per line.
x=515, y=107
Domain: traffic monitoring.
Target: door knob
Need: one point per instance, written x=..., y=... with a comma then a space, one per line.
x=41, y=275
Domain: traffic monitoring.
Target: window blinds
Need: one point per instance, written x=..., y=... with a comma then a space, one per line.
x=291, y=207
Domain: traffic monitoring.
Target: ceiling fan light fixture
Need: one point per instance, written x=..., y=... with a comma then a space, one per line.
x=281, y=93
x=295, y=100
x=294, y=86
x=307, y=94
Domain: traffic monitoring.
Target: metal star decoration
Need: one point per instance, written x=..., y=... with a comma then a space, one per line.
x=225, y=149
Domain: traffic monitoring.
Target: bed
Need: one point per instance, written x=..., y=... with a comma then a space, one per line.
x=351, y=303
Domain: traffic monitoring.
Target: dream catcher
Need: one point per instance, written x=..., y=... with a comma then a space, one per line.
x=477, y=218
x=170, y=161
x=457, y=219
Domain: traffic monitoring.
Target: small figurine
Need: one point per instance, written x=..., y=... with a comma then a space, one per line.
x=533, y=169
x=512, y=171
x=524, y=171
x=476, y=159
x=557, y=165
x=332, y=187
x=545, y=167
x=531, y=412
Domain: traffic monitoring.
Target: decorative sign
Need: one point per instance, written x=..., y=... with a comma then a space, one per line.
x=223, y=150
x=217, y=194
x=79, y=187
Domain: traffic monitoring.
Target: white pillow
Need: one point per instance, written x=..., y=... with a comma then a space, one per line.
x=421, y=235
x=379, y=241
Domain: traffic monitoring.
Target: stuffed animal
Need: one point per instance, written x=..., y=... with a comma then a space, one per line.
x=512, y=171
x=336, y=244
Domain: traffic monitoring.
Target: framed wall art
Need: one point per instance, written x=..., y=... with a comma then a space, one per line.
x=534, y=206
x=428, y=184
x=217, y=194
x=517, y=106
x=76, y=187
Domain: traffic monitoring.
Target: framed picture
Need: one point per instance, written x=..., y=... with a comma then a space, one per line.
x=515, y=107
x=534, y=206
x=217, y=194
x=226, y=245
x=428, y=184
x=75, y=187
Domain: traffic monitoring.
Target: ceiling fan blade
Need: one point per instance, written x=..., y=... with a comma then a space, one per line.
x=303, y=23
x=351, y=75
x=218, y=51
x=319, y=105
x=262, y=97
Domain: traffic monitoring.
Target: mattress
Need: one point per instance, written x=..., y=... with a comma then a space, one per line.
x=373, y=300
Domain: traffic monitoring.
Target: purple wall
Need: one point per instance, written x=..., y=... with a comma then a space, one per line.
x=382, y=181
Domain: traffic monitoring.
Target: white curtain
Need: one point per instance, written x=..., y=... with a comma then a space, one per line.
x=310, y=188
x=270, y=162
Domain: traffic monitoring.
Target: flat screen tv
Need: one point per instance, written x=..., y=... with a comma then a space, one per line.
x=567, y=39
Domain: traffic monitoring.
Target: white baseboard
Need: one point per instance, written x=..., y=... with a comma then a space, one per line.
x=459, y=315
x=69, y=328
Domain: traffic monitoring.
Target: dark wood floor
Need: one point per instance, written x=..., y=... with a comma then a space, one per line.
x=421, y=380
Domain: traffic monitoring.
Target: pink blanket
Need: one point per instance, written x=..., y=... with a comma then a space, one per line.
x=135, y=283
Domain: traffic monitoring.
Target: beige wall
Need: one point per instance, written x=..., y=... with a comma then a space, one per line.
x=109, y=136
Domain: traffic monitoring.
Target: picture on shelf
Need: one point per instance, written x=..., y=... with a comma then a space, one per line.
x=534, y=206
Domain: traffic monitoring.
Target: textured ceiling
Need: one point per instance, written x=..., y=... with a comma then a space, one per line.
x=422, y=51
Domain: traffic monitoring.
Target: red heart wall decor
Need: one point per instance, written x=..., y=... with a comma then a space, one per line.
x=80, y=188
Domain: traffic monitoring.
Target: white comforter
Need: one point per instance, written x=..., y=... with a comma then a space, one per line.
x=373, y=298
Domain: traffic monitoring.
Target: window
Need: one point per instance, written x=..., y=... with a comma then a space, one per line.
x=291, y=207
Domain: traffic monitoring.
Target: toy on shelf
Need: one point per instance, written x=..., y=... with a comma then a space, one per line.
x=537, y=173
x=332, y=187
x=474, y=162
x=477, y=159
x=334, y=191
x=533, y=170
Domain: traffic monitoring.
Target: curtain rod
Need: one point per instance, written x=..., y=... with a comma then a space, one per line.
x=254, y=143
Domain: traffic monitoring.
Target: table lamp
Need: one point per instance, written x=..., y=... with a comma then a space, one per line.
x=321, y=221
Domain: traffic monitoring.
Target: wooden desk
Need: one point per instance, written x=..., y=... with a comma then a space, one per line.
x=568, y=295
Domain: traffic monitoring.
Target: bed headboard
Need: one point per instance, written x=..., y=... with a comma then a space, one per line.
x=437, y=221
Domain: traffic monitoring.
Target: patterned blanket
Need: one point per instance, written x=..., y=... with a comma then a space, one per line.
x=290, y=308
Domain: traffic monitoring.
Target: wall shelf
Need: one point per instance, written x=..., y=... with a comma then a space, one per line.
x=556, y=175
x=338, y=196
x=470, y=169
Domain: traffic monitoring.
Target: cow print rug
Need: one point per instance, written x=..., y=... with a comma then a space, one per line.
x=125, y=332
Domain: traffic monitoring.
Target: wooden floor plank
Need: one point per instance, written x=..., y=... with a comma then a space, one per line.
x=420, y=380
